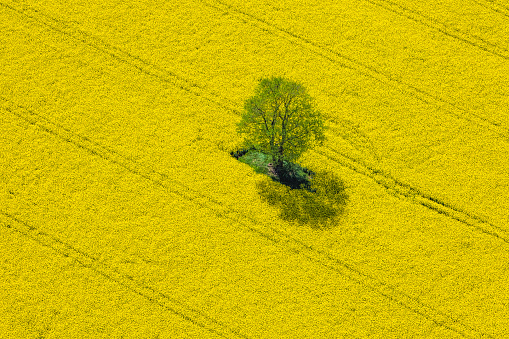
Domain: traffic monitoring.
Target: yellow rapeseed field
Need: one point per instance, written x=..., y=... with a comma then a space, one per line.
x=123, y=215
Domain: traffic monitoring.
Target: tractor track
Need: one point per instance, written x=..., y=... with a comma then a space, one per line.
x=268, y=232
x=158, y=179
x=361, y=68
x=165, y=76
x=494, y=6
x=275, y=235
x=166, y=301
x=428, y=21
x=181, y=82
x=405, y=191
x=116, y=53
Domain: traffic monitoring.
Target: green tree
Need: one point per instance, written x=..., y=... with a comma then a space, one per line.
x=280, y=120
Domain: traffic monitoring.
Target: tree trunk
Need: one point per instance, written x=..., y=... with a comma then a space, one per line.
x=279, y=166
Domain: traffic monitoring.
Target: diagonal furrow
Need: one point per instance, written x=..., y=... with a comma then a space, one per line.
x=184, y=84
x=167, y=77
x=363, y=69
x=181, y=82
x=166, y=301
x=88, y=145
x=494, y=7
x=496, y=3
x=450, y=31
x=116, y=53
x=405, y=191
x=274, y=235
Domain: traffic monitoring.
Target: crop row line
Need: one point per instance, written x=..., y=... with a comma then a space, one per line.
x=405, y=191
x=415, y=194
x=493, y=5
x=277, y=236
x=274, y=235
x=157, y=178
x=264, y=229
x=361, y=68
x=144, y=66
x=86, y=143
x=166, y=301
x=184, y=83
x=160, y=180
x=450, y=31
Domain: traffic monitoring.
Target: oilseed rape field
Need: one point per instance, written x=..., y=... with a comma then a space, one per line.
x=123, y=214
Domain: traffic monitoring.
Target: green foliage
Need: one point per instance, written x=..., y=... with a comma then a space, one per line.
x=280, y=120
x=291, y=174
x=318, y=209
x=279, y=124
x=258, y=160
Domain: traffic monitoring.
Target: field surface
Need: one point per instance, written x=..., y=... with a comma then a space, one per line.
x=123, y=215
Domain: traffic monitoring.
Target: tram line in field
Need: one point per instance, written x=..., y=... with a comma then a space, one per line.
x=274, y=235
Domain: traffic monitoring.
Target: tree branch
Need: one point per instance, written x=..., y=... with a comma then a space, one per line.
x=262, y=114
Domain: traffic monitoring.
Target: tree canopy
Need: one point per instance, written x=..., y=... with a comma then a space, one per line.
x=280, y=120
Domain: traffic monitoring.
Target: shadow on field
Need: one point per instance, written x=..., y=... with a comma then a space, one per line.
x=308, y=198
x=320, y=207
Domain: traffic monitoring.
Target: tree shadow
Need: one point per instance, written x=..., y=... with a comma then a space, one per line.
x=292, y=175
x=308, y=198
x=318, y=203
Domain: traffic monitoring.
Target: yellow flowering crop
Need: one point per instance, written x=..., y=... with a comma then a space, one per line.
x=122, y=213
